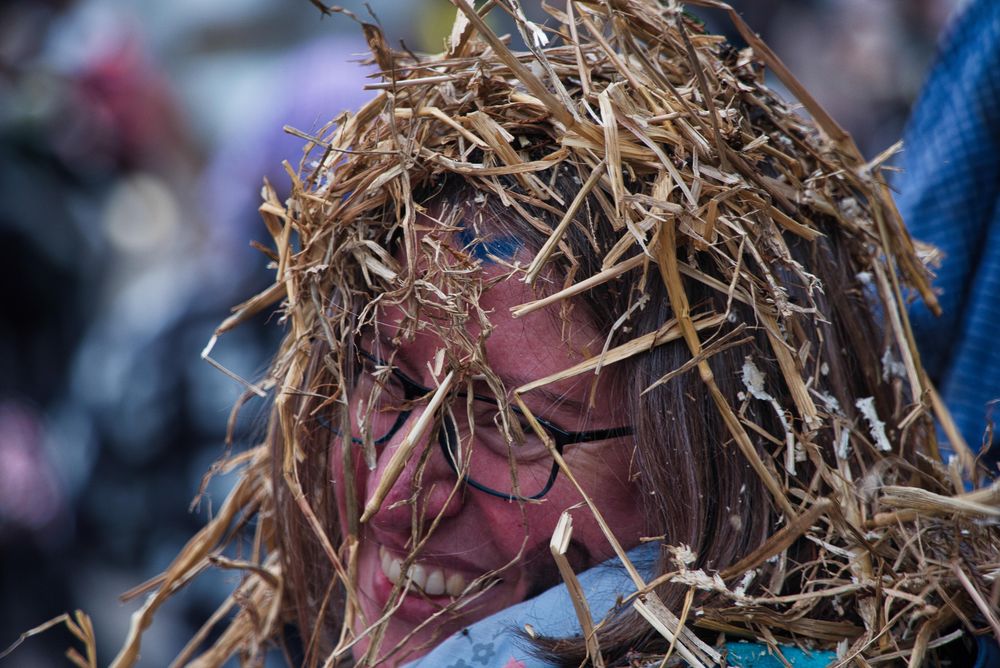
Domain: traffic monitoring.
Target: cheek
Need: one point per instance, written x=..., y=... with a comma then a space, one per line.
x=605, y=476
x=604, y=471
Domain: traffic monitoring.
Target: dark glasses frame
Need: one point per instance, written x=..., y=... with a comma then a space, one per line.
x=412, y=390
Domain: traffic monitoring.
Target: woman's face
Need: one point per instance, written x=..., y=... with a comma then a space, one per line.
x=478, y=534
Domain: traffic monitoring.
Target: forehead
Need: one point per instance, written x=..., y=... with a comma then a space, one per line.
x=556, y=334
x=518, y=350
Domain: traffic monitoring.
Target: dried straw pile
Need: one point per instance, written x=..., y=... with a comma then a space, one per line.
x=704, y=172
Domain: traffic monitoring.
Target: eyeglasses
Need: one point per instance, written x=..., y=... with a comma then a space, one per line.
x=523, y=471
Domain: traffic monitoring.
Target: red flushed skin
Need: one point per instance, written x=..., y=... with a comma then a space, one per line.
x=478, y=533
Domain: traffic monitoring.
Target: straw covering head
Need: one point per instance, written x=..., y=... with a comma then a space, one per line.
x=621, y=233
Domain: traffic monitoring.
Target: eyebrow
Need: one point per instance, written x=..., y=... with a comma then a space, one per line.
x=555, y=402
x=559, y=403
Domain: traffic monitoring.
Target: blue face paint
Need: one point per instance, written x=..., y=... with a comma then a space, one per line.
x=503, y=247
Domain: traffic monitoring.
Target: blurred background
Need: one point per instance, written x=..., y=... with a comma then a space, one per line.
x=134, y=138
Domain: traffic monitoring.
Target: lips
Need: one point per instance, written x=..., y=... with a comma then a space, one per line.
x=431, y=579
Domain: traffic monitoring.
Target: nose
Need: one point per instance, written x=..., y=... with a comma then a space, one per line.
x=411, y=469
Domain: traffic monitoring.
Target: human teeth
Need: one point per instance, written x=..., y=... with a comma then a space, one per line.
x=432, y=581
x=394, y=571
x=435, y=583
x=455, y=585
x=418, y=574
x=386, y=560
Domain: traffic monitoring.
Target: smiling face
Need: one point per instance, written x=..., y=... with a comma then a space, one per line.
x=482, y=541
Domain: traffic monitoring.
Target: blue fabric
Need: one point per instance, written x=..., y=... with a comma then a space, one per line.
x=757, y=655
x=948, y=196
x=988, y=654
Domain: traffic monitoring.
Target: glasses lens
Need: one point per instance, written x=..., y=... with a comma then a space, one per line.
x=482, y=452
x=378, y=402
